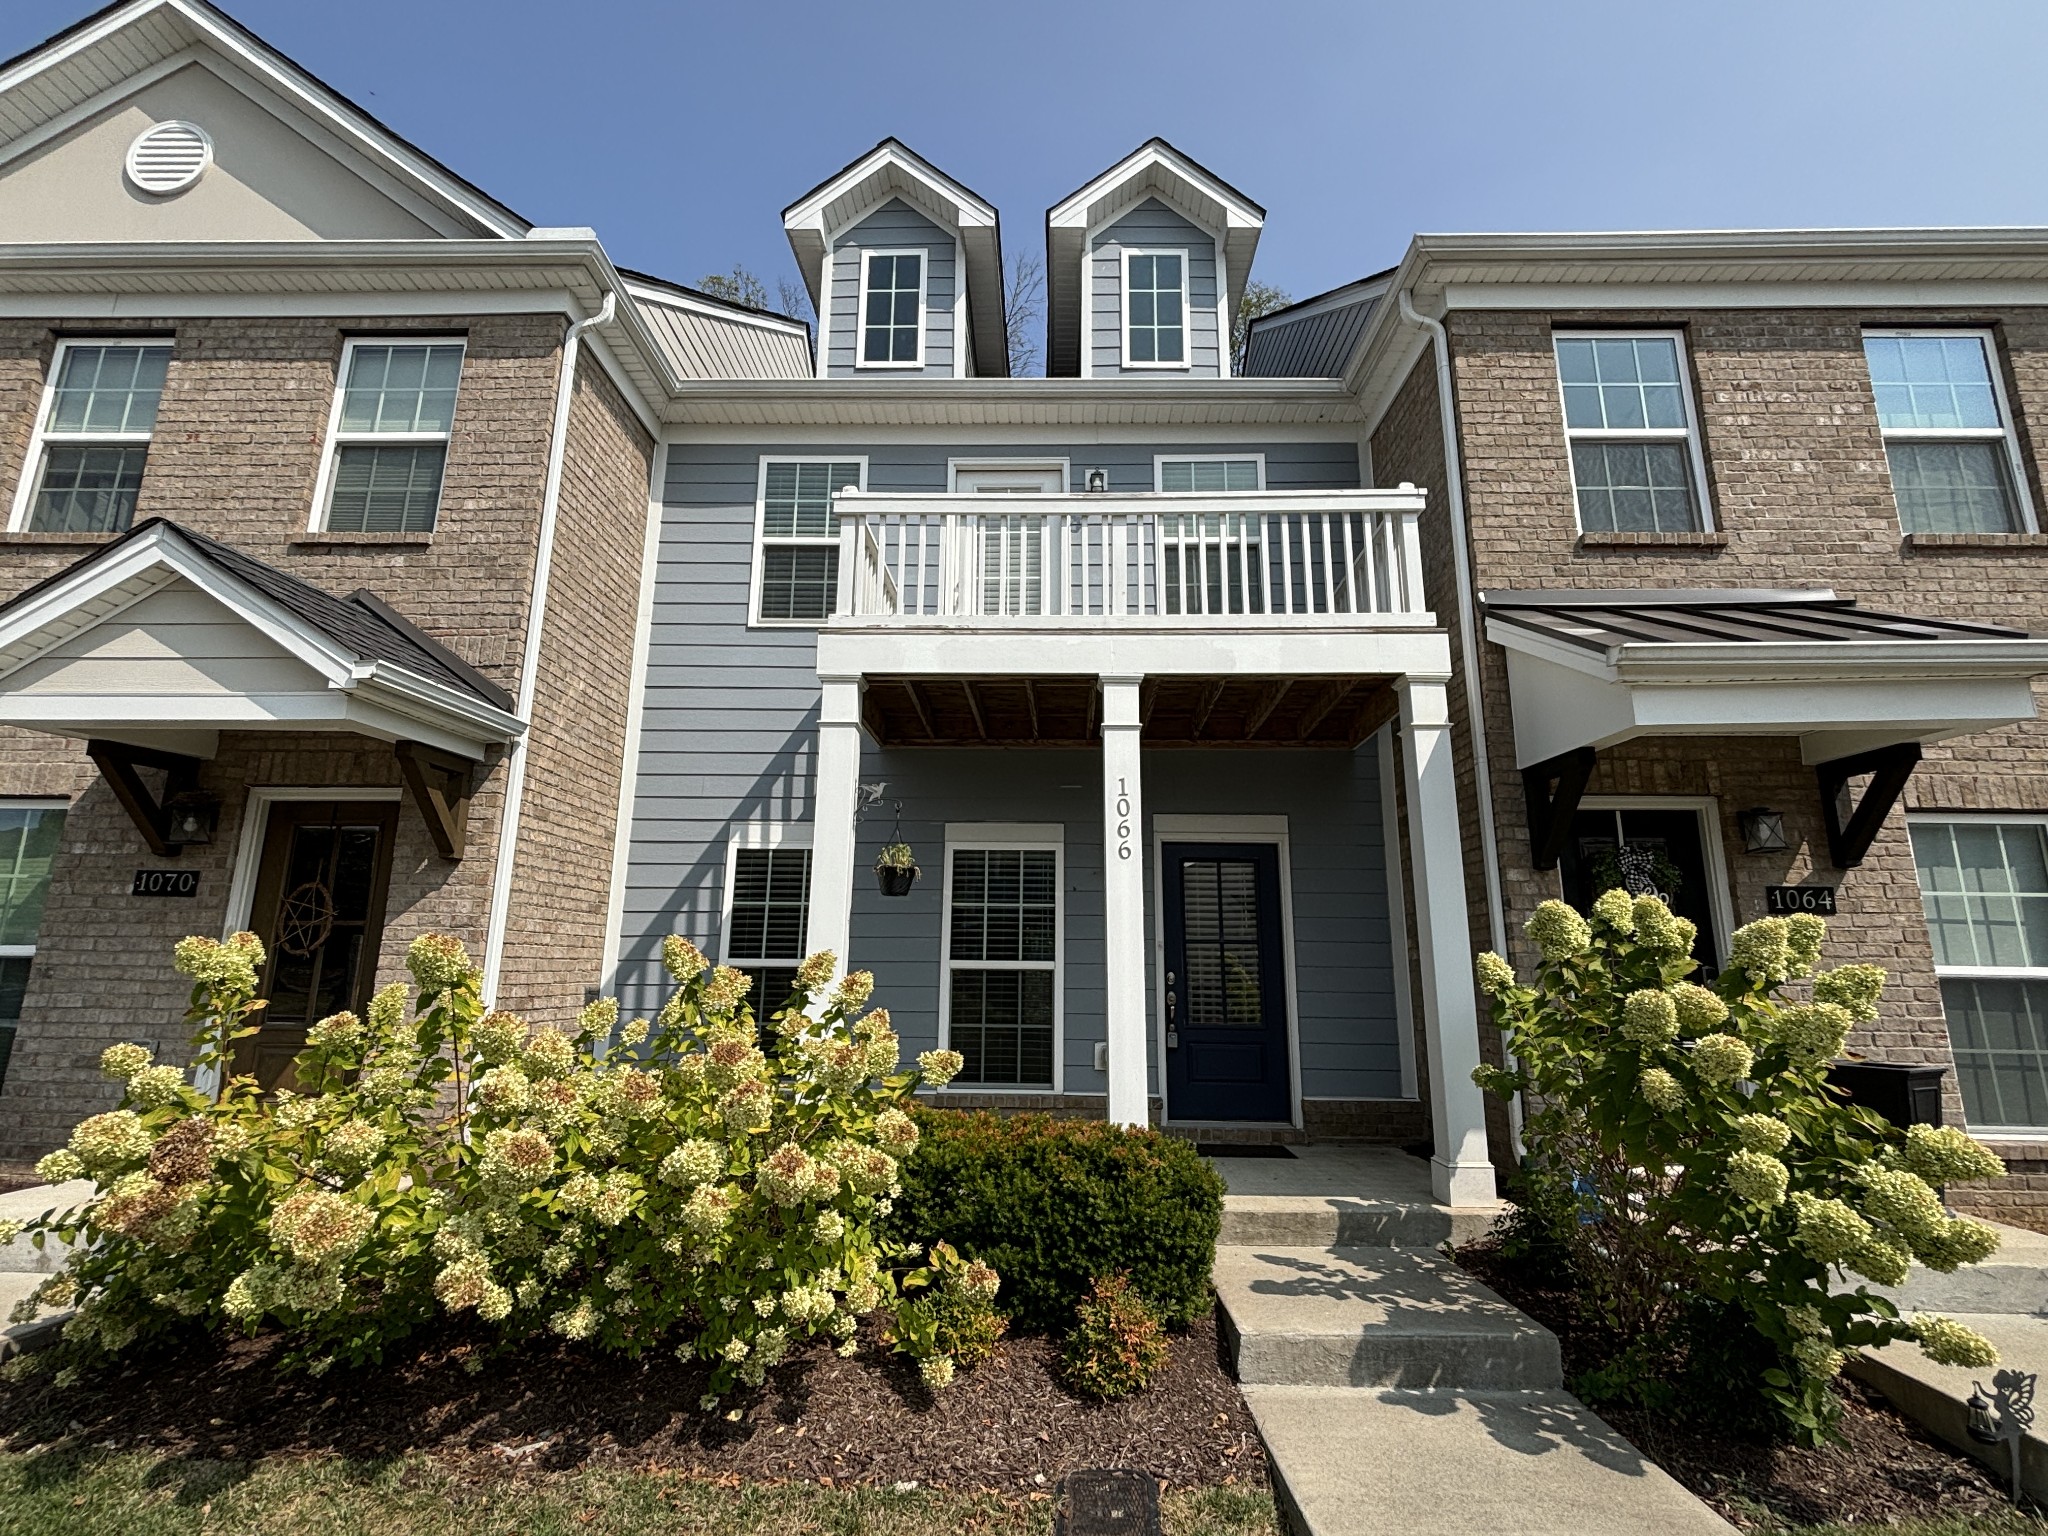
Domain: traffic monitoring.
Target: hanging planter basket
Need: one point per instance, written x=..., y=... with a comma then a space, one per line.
x=895, y=880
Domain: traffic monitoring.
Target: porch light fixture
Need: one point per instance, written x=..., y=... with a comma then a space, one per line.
x=1762, y=831
x=1098, y=482
x=190, y=817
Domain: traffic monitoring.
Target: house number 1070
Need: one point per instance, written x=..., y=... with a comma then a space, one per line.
x=1123, y=819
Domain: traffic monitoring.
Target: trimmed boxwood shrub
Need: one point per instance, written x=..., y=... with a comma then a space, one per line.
x=1057, y=1204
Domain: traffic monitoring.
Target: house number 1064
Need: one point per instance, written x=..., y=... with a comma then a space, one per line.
x=1123, y=819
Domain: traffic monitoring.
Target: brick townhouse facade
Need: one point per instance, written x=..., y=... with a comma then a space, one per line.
x=373, y=561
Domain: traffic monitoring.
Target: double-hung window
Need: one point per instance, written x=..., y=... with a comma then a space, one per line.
x=388, y=448
x=1155, y=309
x=94, y=436
x=1947, y=433
x=892, y=309
x=28, y=847
x=1002, y=954
x=799, y=545
x=1984, y=882
x=1628, y=420
x=768, y=911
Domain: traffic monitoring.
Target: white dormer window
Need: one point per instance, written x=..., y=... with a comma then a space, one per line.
x=1156, y=309
x=892, y=310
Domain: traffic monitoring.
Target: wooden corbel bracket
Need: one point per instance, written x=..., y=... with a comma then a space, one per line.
x=441, y=784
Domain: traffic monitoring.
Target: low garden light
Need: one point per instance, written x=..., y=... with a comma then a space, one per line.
x=1763, y=831
x=2004, y=1417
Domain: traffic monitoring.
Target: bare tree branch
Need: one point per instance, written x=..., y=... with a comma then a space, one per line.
x=1024, y=306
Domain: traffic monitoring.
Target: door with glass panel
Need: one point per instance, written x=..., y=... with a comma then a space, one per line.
x=1011, y=551
x=1225, y=984
x=319, y=910
x=1646, y=851
x=1984, y=883
x=28, y=849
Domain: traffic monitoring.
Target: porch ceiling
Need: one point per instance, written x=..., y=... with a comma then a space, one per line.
x=1175, y=711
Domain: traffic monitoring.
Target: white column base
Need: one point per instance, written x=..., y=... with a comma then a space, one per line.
x=1462, y=1183
x=1123, y=903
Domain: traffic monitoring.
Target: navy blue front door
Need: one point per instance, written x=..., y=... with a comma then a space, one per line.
x=1225, y=983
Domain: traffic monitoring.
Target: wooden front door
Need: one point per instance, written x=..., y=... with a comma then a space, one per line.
x=1226, y=983
x=319, y=909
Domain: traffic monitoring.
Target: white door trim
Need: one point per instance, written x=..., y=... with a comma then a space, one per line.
x=1225, y=829
x=1708, y=808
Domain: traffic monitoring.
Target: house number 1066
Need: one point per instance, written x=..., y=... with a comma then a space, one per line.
x=1123, y=819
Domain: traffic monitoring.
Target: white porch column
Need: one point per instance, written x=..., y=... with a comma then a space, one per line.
x=1460, y=1172
x=1123, y=901
x=834, y=794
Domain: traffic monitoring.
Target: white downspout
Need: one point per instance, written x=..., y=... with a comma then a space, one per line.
x=1468, y=649
x=529, y=663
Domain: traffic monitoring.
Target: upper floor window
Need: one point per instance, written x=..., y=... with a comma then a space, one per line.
x=1211, y=472
x=388, y=446
x=1155, y=309
x=1628, y=417
x=892, y=310
x=797, y=564
x=1947, y=434
x=93, y=438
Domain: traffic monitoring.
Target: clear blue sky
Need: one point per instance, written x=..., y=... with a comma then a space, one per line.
x=680, y=131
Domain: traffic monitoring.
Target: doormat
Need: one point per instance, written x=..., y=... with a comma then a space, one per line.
x=1242, y=1149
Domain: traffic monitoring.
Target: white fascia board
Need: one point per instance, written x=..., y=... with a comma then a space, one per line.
x=814, y=212
x=1076, y=211
x=1046, y=402
x=423, y=698
x=1134, y=648
x=1558, y=708
x=1796, y=293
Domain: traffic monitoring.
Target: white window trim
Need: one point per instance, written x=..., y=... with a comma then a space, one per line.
x=2006, y=431
x=1161, y=460
x=756, y=834
x=1689, y=434
x=2036, y=1133
x=860, y=314
x=1224, y=829
x=29, y=803
x=40, y=437
x=330, y=455
x=1187, y=328
x=754, y=619
x=1713, y=848
x=999, y=835
x=1021, y=466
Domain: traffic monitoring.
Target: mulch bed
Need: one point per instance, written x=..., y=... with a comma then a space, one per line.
x=1888, y=1471
x=1007, y=1426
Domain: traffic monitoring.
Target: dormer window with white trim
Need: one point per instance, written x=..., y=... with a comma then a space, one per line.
x=93, y=437
x=387, y=445
x=1628, y=419
x=1947, y=433
x=892, y=310
x=1156, y=309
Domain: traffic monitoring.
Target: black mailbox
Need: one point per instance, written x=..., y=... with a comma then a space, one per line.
x=1904, y=1094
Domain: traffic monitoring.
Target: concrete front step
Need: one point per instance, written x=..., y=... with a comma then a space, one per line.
x=1328, y=1221
x=1350, y=1463
x=1374, y=1317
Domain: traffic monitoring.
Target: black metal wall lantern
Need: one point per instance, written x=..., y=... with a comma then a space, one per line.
x=1762, y=831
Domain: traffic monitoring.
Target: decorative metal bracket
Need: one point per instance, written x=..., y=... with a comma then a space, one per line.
x=117, y=762
x=441, y=783
x=1551, y=810
x=1850, y=833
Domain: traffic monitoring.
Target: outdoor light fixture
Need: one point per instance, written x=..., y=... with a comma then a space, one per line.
x=1763, y=831
x=1983, y=1427
x=190, y=817
x=2005, y=1416
x=1098, y=482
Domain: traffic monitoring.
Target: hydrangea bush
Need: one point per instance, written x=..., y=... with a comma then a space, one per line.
x=689, y=1182
x=1690, y=1160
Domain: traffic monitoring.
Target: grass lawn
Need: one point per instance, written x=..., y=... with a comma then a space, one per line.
x=65, y=1493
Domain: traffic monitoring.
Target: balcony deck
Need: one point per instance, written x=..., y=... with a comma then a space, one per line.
x=1330, y=560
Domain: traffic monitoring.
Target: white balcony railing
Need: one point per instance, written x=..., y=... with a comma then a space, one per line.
x=1330, y=557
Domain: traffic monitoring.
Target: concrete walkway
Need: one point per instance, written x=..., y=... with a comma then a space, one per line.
x=2006, y=1300
x=1393, y=1391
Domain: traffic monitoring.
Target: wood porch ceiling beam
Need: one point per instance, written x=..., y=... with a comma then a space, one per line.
x=1031, y=704
x=1210, y=694
x=1335, y=694
x=1263, y=711
x=974, y=706
x=922, y=705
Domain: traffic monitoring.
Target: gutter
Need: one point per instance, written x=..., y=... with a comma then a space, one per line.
x=529, y=664
x=1468, y=651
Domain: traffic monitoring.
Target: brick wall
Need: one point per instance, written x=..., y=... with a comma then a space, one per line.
x=236, y=455
x=1801, y=496
x=554, y=942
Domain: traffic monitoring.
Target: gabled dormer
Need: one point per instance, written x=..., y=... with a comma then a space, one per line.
x=1144, y=266
x=905, y=269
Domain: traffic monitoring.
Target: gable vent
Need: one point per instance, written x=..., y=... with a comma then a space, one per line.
x=169, y=157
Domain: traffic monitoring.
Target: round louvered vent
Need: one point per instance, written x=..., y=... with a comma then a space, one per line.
x=169, y=157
